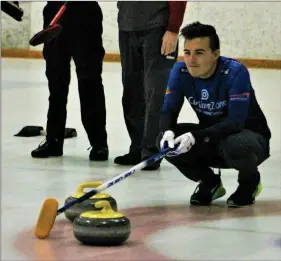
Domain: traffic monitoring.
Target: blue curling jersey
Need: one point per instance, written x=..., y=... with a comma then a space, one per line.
x=225, y=103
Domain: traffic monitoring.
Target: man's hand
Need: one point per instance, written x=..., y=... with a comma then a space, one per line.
x=167, y=140
x=185, y=141
x=169, y=43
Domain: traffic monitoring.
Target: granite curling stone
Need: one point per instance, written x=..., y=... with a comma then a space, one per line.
x=88, y=204
x=102, y=228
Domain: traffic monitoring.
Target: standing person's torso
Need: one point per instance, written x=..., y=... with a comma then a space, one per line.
x=77, y=12
x=142, y=15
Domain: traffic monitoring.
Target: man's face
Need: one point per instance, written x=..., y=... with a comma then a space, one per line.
x=199, y=58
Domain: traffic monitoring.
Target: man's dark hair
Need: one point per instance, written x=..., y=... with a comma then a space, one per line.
x=198, y=30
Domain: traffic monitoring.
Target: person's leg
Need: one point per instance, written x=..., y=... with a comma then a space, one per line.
x=157, y=69
x=87, y=49
x=133, y=97
x=195, y=166
x=57, y=57
x=245, y=151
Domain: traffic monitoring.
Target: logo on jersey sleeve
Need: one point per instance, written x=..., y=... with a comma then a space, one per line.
x=225, y=71
x=240, y=96
x=168, y=91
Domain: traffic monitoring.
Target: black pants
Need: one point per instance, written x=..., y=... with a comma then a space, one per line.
x=242, y=151
x=80, y=39
x=145, y=74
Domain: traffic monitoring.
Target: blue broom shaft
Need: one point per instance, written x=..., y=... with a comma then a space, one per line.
x=115, y=180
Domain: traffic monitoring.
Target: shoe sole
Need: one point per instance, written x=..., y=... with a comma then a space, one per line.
x=104, y=159
x=220, y=192
x=256, y=193
x=46, y=156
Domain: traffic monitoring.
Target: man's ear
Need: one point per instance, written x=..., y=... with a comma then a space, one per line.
x=217, y=53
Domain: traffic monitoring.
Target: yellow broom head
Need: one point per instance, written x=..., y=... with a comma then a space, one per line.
x=46, y=218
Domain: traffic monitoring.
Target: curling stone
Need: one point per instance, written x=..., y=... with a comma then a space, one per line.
x=102, y=228
x=88, y=204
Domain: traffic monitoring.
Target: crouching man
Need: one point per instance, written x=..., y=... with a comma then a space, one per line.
x=232, y=131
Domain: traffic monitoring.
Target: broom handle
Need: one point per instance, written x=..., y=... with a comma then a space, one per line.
x=115, y=180
x=59, y=14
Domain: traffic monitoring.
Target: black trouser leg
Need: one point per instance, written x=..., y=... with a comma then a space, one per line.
x=132, y=78
x=156, y=74
x=87, y=49
x=57, y=57
x=245, y=151
x=242, y=151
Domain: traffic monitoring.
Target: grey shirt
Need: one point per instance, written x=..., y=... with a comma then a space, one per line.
x=142, y=15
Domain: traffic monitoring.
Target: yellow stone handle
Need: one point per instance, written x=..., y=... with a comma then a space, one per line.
x=105, y=212
x=89, y=184
x=105, y=205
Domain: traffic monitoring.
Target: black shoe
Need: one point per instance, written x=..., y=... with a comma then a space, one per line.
x=245, y=194
x=51, y=148
x=205, y=193
x=132, y=158
x=99, y=154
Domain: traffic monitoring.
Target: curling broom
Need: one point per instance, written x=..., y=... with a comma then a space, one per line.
x=50, y=211
x=51, y=31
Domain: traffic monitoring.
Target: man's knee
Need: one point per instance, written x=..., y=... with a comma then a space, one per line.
x=243, y=151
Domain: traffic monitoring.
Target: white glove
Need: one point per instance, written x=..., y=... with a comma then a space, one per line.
x=169, y=138
x=186, y=141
